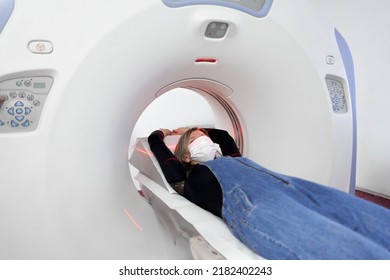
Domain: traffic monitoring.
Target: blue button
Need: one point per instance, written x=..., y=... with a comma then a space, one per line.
x=19, y=104
x=14, y=124
x=26, y=123
x=19, y=118
x=19, y=111
x=27, y=111
x=11, y=111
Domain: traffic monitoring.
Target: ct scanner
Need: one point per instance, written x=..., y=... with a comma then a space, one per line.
x=77, y=74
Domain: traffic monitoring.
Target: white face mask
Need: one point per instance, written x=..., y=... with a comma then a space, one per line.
x=203, y=149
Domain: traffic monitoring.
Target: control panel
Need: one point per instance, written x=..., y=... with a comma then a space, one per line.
x=21, y=103
x=337, y=95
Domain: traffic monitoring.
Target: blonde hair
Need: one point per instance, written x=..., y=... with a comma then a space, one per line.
x=182, y=145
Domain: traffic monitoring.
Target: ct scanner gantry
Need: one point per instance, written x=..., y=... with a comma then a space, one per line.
x=277, y=75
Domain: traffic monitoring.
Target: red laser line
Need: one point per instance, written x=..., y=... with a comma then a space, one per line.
x=133, y=220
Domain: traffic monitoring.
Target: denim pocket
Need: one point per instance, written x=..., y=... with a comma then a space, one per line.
x=240, y=200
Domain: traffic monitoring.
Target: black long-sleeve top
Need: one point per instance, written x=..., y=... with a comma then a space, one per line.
x=200, y=185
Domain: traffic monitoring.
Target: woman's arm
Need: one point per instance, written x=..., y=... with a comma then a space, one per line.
x=225, y=141
x=173, y=170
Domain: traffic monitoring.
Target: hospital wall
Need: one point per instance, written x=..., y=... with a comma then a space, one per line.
x=365, y=25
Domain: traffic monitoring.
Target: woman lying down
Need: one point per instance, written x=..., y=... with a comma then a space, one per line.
x=276, y=216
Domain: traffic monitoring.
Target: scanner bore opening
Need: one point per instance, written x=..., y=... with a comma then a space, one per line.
x=201, y=100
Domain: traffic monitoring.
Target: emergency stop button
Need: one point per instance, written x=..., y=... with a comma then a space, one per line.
x=40, y=47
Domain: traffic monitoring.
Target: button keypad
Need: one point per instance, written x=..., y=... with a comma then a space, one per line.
x=22, y=102
x=19, y=112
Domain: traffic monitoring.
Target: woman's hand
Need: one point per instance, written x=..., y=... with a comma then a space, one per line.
x=180, y=130
x=166, y=132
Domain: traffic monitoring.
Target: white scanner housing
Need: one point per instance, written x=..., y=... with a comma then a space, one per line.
x=77, y=77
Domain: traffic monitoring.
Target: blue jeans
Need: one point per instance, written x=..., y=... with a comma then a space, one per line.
x=283, y=217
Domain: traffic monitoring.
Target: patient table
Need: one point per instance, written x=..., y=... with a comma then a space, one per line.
x=208, y=235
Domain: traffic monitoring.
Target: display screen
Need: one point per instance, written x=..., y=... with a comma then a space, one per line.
x=39, y=85
x=258, y=8
x=255, y=5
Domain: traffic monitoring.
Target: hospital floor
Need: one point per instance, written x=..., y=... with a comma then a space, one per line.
x=373, y=198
